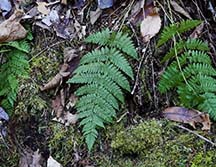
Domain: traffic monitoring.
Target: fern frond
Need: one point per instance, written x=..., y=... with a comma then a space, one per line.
x=190, y=44
x=101, y=38
x=195, y=83
x=116, y=40
x=209, y=104
x=103, y=73
x=196, y=68
x=180, y=27
x=21, y=45
x=104, y=55
x=15, y=67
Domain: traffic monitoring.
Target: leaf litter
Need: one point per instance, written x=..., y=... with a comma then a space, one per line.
x=66, y=19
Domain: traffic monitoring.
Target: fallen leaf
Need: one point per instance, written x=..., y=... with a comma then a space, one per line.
x=140, y=10
x=11, y=29
x=3, y=115
x=94, y=15
x=57, y=79
x=67, y=119
x=42, y=8
x=103, y=4
x=51, y=162
x=5, y=6
x=71, y=61
x=57, y=106
x=30, y=158
x=64, y=2
x=69, y=54
x=51, y=18
x=72, y=101
x=197, y=32
x=179, y=9
x=150, y=26
x=184, y=115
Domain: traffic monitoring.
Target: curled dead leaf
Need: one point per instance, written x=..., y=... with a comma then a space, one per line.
x=11, y=29
x=184, y=115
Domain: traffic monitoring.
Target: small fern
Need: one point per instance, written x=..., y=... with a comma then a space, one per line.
x=14, y=67
x=191, y=74
x=103, y=73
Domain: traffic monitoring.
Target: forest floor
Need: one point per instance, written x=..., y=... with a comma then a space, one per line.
x=43, y=123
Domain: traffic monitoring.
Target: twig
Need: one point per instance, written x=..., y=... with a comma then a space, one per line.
x=154, y=86
x=139, y=67
x=198, y=135
x=123, y=115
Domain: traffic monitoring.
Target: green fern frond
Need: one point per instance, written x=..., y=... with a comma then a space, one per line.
x=172, y=30
x=191, y=74
x=116, y=40
x=103, y=73
x=113, y=55
x=190, y=44
x=14, y=68
x=209, y=104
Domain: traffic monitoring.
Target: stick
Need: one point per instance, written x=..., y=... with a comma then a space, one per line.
x=198, y=135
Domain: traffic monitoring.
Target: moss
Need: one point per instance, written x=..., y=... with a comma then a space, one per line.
x=204, y=158
x=138, y=138
x=63, y=142
x=159, y=143
x=8, y=158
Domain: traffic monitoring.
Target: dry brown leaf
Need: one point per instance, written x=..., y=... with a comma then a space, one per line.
x=197, y=32
x=150, y=26
x=181, y=114
x=72, y=101
x=57, y=79
x=69, y=54
x=57, y=106
x=11, y=29
x=67, y=119
x=71, y=61
x=94, y=15
x=179, y=9
x=42, y=8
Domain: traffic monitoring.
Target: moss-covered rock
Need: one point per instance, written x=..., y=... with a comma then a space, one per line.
x=138, y=138
x=161, y=144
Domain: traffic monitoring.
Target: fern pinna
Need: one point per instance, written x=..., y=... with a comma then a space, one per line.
x=13, y=67
x=191, y=73
x=104, y=74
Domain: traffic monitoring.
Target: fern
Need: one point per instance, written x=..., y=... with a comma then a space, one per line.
x=191, y=74
x=14, y=67
x=103, y=73
x=174, y=29
x=117, y=40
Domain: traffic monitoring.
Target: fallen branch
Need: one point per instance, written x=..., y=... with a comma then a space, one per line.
x=198, y=135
